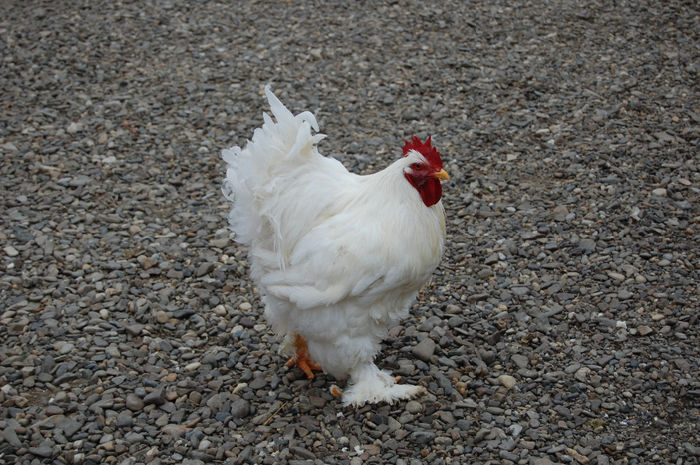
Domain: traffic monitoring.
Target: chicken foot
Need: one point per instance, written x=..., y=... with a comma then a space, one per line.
x=302, y=359
x=369, y=384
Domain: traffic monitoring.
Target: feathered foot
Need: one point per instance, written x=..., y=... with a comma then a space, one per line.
x=301, y=358
x=372, y=385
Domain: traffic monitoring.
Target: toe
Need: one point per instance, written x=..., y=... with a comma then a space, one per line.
x=313, y=365
x=306, y=368
x=336, y=392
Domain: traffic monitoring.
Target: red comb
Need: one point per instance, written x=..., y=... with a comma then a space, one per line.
x=425, y=148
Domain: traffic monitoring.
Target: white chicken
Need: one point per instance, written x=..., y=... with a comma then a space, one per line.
x=337, y=257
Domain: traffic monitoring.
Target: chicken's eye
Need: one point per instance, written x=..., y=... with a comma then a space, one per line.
x=415, y=166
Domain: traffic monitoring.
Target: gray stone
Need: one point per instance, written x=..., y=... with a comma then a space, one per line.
x=521, y=361
x=44, y=450
x=240, y=408
x=133, y=402
x=422, y=437
x=11, y=437
x=587, y=245
x=424, y=349
x=156, y=397
x=69, y=426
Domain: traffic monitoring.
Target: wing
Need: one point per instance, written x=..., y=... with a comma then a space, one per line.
x=351, y=255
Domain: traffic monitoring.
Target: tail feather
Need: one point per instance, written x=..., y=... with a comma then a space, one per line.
x=281, y=144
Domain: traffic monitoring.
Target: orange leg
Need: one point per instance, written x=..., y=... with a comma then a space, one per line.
x=301, y=358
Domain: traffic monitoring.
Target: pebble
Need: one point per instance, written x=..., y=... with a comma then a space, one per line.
x=133, y=402
x=521, y=361
x=587, y=245
x=192, y=366
x=69, y=426
x=425, y=349
x=580, y=458
x=10, y=436
x=156, y=397
x=240, y=408
x=64, y=347
x=507, y=381
x=644, y=330
x=10, y=251
x=414, y=407
x=560, y=213
x=44, y=450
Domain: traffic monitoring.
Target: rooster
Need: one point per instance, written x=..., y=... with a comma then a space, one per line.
x=337, y=257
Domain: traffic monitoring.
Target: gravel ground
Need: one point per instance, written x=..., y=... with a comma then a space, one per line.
x=562, y=326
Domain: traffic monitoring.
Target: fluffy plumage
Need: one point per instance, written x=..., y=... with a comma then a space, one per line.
x=337, y=257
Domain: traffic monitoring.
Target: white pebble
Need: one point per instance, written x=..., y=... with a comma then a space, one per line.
x=220, y=310
x=11, y=251
x=192, y=366
x=507, y=380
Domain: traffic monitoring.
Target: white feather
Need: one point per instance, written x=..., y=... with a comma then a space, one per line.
x=338, y=257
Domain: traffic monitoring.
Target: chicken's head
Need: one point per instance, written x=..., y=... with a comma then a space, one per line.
x=423, y=169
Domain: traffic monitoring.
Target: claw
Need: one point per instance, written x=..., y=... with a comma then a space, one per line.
x=301, y=358
x=335, y=390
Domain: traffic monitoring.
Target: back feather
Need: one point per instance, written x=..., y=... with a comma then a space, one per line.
x=277, y=148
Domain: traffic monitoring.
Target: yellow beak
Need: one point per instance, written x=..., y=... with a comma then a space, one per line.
x=442, y=174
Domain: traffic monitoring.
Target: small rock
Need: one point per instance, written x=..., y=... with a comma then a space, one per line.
x=204, y=444
x=183, y=313
x=520, y=291
x=73, y=128
x=424, y=349
x=124, y=420
x=541, y=461
x=302, y=452
x=317, y=401
x=414, y=407
x=258, y=383
x=192, y=366
x=560, y=213
x=521, y=361
x=175, y=430
x=204, y=269
x=587, y=245
x=422, y=437
x=624, y=294
x=659, y=192
x=155, y=397
x=64, y=347
x=134, y=329
x=45, y=449
x=582, y=373
x=10, y=436
x=507, y=380
x=240, y=408
x=69, y=426
x=10, y=251
x=134, y=402
x=644, y=330
x=515, y=429
x=691, y=449
x=580, y=458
